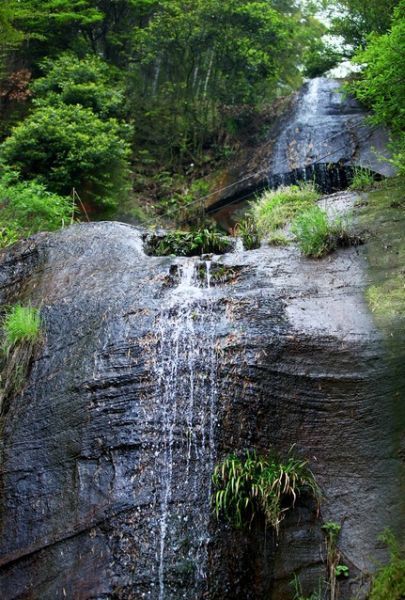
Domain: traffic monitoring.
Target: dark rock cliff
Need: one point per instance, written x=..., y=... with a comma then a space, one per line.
x=144, y=378
x=322, y=136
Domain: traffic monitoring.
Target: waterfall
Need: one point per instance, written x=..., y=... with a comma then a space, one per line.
x=187, y=391
x=316, y=143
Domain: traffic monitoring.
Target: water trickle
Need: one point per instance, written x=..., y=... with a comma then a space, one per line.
x=319, y=131
x=186, y=386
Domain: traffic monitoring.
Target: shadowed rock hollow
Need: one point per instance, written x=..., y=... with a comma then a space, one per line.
x=150, y=370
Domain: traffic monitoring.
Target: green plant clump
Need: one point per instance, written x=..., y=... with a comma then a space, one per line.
x=22, y=324
x=21, y=331
x=389, y=581
x=27, y=207
x=312, y=231
x=276, y=208
x=316, y=235
x=247, y=230
x=192, y=243
x=362, y=179
x=259, y=485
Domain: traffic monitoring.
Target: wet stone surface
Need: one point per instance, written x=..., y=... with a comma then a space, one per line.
x=149, y=372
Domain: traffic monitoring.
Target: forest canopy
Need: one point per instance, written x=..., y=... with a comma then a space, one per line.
x=107, y=96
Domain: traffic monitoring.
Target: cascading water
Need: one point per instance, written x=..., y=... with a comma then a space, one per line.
x=187, y=391
x=318, y=142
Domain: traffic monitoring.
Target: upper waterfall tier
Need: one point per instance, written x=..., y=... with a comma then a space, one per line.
x=322, y=136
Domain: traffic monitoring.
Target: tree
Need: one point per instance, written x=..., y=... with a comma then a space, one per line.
x=381, y=85
x=358, y=18
x=69, y=146
x=88, y=81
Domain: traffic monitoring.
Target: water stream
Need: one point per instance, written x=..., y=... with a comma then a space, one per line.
x=186, y=386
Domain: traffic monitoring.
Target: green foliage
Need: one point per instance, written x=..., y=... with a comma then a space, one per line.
x=184, y=206
x=313, y=232
x=69, y=146
x=382, y=82
x=259, y=485
x=247, y=230
x=342, y=571
x=21, y=324
x=191, y=243
x=389, y=581
x=363, y=179
x=21, y=332
x=88, y=81
x=275, y=208
x=26, y=207
x=358, y=18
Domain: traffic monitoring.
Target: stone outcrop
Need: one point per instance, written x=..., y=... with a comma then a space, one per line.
x=145, y=377
x=322, y=135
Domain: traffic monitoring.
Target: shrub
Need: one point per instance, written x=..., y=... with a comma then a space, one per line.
x=276, y=208
x=22, y=324
x=87, y=81
x=312, y=231
x=254, y=484
x=26, y=207
x=389, y=581
x=381, y=83
x=69, y=146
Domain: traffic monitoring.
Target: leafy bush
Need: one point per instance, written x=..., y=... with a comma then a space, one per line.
x=389, y=581
x=381, y=82
x=362, y=179
x=87, y=81
x=190, y=243
x=22, y=323
x=26, y=207
x=255, y=484
x=276, y=208
x=69, y=146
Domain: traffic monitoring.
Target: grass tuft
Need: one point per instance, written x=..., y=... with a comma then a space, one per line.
x=276, y=208
x=22, y=323
x=313, y=231
x=363, y=179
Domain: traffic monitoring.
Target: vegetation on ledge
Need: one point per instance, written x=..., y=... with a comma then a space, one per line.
x=254, y=484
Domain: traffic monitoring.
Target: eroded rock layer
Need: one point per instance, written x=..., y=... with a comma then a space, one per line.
x=150, y=370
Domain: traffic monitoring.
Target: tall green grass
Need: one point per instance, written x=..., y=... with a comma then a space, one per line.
x=22, y=323
x=276, y=208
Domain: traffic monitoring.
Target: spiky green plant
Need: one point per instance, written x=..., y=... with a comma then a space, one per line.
x=21, y=333
x=259, y=484
x=22, y=323
x=247, y=230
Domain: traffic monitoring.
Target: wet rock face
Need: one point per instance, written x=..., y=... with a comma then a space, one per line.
x=150, y=370
x=322, y=137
